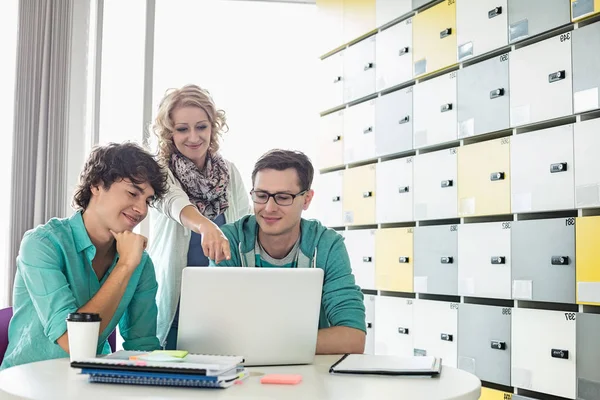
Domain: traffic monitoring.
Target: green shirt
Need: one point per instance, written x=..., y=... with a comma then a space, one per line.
x=55, y=277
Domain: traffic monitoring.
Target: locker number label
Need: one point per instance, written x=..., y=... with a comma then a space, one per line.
x=507, y=396
x=453, y=228
x=453, y=151
x=570, y=316
x=504, y=57
x=505, y=140
x=450, y=2
x=569, y=221
x=506, y=225
x=454, y=306
x=410, y=230
x=409, y=302
x=565, y=36
x=506, y=311
x=452, y=75
x=409, y=21
x=409, y=160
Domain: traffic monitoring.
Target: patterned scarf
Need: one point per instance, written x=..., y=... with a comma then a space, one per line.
x=207, y=188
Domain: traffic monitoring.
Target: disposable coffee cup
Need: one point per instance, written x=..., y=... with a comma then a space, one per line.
x=83, y=330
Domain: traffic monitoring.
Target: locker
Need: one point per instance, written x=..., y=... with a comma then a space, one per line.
x=485, y=178
x=331, y=81
x=330, y=198
x=360, y=245
x=434, y=38
x=393, y=55
x=484, y=343
x=588, y=354
x=543, y=260
x=581, y=9
x=436, y=330
x=395, y=187
x=586, y=63
x=394, y=333
x=394, y=122
x=359, y=18
x=484, y=97
x=541, y=81
x=485, y=260
x=394, y=259
x=358, y=198
x=586, y=145
x=359, y=132
x=587, y=252
x=543, y=351
x=370, y=302
x=436, y=259
x=416, y=4
x=331, y=138
x=388, y=10
x=519, y=397
x=359, y=70
x=481, y=26
x=435, y=185
x=492, y=394
x=541, y=164
x=532, y=17
x=331, y=24
x=435, y=111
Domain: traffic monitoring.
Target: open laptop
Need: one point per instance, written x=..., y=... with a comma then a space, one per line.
x=269, y=316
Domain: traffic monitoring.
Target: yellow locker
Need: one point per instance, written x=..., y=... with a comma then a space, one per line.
x=394, y=259
x=359, y=195
x=587, y=254
x=581, y=9
x=434, y=38
x=484, y=178
x=491, y=394
x=331, y=25
x=359, y=18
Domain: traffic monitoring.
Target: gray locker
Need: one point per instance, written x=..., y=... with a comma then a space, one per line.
x=436, y=259
x=588, y=355
x=419, y=3
x=543, y=260
x=484, y=342
x=483, y=97
x=586, y=64
x=394, y=122
x=532, y=17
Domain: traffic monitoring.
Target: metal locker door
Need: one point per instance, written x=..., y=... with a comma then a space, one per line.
x=532, y=17
x=359, y=132
x=435, y=185
x=394, y=122
x=395, y=187
x=330, y=198
x=492, y=394
x=359, y=70
x=541, y=164
x=393, y=55
x=484, y=97
x=586, y=145
x=481, y=26
x=436, y=259
x=332, y=81
x=394, y=259
x=394, y=332
x=587, y=251
x=388, y=10
x=435, y=111
x=484, y=344
x=360, y=245
x=435, y=330
x=581, y=9
x=541, y=81
x=588, y=354
x=358, y=198
x=543, y=260
x=370, y=301
x=586, y=64
x=485, y=260
x=543, y=351
x=331, y=138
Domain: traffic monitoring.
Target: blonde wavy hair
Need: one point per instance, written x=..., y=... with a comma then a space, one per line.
x=187, y=96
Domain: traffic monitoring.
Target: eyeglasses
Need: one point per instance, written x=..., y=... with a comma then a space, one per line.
x=282, y=199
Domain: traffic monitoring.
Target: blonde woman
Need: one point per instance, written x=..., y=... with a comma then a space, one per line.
x=205, y=192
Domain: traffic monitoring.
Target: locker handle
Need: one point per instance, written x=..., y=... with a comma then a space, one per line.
x=498, y=345
x=369, y=325
x=558, y=353
x=556, y=76
x=494, y=94
x=447, y=260
x=367, y=194
x=404, y=120
x=495, y=12
x=368, y=66
x=368, y=130
x=403, y=260
x=337, y=138
x=447, y=183
x=445, y=33
x=560, y=260
x=447, y=337
x=497, y=176
x=337, y=79
x=446, y=107
x=498, y=260
x=558, y=167
x=403, y=189
x=335, y=199
x=403, y=51
x=367, y=259
x=403, y=331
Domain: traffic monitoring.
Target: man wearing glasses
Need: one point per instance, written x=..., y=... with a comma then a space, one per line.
x=277, y=236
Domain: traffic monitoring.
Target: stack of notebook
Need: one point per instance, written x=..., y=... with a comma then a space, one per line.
x=164, y=368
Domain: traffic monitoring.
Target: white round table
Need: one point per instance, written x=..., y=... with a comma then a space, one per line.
x=55, y=379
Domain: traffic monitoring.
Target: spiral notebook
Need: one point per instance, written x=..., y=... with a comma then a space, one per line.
x=366, y=364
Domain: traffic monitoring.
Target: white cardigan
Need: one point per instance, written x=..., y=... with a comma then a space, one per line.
x=169, y=241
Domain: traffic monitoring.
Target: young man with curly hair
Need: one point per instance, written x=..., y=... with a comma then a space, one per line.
x=91, y=262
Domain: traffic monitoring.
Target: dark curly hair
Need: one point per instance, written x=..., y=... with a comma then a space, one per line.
x=115, y=162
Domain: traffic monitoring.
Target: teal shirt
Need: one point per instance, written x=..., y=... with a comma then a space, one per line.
x=55, y=277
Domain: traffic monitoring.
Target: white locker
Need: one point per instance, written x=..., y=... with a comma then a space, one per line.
x=359, y=70
x=394, y=333
x=435, y=330
x=330, y=198
x=393, y=55
x=331, y=82
x=394, y=186
x=359, y=132
x=543, y=351
x=587, y=163
x=331, y=139
x=434, y=179
x=541, y=81
x=541, y=164
x=370, y=301
x=388, y=10
x=360, y=245
x=481, y=26
x=394, y=122
x=484, y=252
x=435, y=119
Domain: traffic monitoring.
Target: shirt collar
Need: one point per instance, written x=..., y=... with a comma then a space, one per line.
x=82, y=239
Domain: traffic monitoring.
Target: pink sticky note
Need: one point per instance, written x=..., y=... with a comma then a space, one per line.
x=281, y=379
